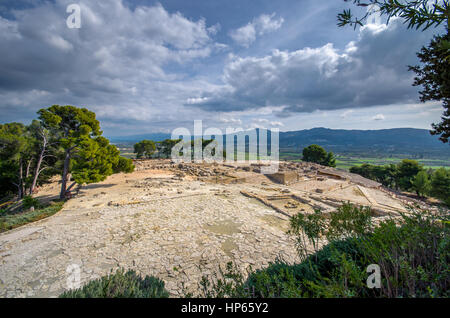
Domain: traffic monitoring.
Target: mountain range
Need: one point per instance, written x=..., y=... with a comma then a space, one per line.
x=406, y=142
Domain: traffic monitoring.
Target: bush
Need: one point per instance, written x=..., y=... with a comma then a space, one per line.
x=386, y=175
x=440, y=185
x=308, y=229
x=282, y=280
x=124, y=165
x=228, y=283
x=121, y=285
x=413, y=257
x=11, y=221
x=3, y=226
x=349, y=221
x=279, y=279
x=28, y=202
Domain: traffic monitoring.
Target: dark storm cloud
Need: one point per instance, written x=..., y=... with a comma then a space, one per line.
x=117, y=58
x=371, y=71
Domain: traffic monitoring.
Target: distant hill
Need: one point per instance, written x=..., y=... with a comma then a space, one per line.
x=400, y=142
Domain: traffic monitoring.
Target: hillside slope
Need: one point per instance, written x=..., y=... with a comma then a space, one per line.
x=398, y=141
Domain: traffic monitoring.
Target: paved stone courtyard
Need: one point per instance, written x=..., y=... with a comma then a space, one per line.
x=177, y=240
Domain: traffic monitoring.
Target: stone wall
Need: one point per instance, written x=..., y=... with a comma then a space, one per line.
x=284, y=177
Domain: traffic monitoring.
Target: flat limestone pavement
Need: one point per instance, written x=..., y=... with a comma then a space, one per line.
x=177, y=230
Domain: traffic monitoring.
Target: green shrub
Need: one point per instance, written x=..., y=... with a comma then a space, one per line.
x=28, y=202
x=346, y=279
x=282, y=280
x=421, y=183
x=3, y=226
x=121, y=285
x=386, y=175
x=349, y=221
x=124, y=165
x=279, y=280
x=440, y=185
x=413, y=257
x=224, y=283
x=11, y=221
x=308, y=229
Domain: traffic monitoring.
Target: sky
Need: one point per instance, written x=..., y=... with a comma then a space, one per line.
x=148, y=66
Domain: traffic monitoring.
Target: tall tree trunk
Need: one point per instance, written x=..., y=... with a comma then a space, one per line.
x=20, y=194
x=20, y=183
x=62, y=194
x=38, y=165
x=36, y=172
x=27, y=174
x=28, y=168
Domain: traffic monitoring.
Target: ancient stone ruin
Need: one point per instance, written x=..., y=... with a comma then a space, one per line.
x=178, y=222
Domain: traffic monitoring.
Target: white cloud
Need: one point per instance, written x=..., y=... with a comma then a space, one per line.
x=346, y=113
x=246, y=34
x=265, y=123
x=225, y=120
x=378, y=117
x=115, y=64
x=368, y=72
x=265, y=23
x=59, y=43
x=213, y=30
x=261, y=120
x=276, y=124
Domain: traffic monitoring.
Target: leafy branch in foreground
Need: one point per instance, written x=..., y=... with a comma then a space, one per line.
x=418, y=14
x=434, y=76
